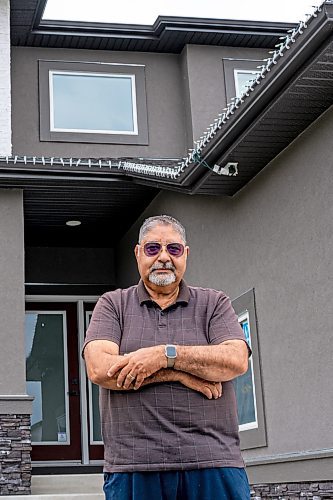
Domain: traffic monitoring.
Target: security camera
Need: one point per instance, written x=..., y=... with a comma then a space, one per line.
x=230, y=169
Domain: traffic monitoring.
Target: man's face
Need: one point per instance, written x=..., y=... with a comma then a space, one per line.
x=161, y=271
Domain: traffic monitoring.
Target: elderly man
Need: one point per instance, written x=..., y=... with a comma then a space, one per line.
x=164, y=355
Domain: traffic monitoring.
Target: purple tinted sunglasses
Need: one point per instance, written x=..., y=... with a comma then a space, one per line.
x=153, y=248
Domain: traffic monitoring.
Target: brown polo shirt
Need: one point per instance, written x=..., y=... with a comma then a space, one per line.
x=166, y=426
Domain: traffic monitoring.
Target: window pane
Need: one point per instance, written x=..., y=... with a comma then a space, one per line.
x=95, y=421
x=244, y=386
x=242, y=79
x=94, y=103
x=45, y=375
x=97, y=435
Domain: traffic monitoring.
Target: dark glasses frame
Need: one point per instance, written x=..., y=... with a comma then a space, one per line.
x=153, y=248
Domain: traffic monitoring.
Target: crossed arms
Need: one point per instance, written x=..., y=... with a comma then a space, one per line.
x=201, y=368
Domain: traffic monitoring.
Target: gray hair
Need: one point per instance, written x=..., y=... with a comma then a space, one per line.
x=162, y=220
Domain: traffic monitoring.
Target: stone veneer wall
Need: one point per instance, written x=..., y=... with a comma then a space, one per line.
x=293, y=491
x=15, y=450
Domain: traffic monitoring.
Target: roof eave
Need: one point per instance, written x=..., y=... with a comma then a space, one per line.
x=245, y=117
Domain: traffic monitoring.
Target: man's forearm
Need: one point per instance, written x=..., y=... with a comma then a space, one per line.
x=97, y=373
x=210, y=390
x=216, y=363
x=158, y=377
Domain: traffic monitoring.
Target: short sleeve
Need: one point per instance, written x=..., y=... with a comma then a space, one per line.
x=104, y=323
x=224, y=323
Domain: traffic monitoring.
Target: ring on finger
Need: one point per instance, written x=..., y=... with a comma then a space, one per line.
x=131, y=376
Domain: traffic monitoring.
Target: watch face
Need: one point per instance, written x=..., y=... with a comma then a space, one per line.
x=171, y=351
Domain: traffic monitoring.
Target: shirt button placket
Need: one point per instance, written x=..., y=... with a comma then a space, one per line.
x=162, y=320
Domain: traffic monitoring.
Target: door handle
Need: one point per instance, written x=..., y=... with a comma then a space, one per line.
x=73, y=393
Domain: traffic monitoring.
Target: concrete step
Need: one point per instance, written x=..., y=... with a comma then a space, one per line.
x=64, y=487
x=67, y=483
x=64, y=496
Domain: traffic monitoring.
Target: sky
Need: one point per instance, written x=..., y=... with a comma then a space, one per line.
x=146, y=11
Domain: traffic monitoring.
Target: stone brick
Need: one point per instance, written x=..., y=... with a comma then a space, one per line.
x=294, y=487
x=15, y=461
x=293, y=491
x=326, y=486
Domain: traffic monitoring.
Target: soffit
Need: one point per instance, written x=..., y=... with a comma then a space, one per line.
x=106, y=206
x=168, y=34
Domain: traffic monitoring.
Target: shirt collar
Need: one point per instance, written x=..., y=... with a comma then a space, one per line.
x=183, y=295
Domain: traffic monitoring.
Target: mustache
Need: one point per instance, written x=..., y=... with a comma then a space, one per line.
x=163, y=265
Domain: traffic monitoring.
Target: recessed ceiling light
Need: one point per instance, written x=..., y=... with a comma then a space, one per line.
x=73, y=223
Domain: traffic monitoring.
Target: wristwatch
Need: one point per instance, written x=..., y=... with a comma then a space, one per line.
x=171, y=354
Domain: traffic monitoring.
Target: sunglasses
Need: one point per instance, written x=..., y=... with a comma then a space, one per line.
x=153, y=248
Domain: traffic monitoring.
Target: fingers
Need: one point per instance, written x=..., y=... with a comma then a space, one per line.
x=139, y=380
x=219, y=389
x=129, y=372
x=127, y=382
x=206, y=392
x=213, y=390
x=125, y=378
x=118, y=365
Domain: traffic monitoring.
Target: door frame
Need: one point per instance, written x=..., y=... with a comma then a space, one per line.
x=79, y=300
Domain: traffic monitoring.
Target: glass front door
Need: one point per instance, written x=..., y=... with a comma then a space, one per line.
x=65, y=422
x=52, y=375
x=95, y=438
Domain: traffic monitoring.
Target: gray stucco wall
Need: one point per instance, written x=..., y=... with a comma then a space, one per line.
x=206, y=80
x=12, y=367
x=5, y=119
x=164, y=104
x=276, y=236
x=184, y=94
x=69, y=266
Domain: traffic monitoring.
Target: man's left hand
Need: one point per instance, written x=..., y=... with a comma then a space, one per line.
x=136, y=366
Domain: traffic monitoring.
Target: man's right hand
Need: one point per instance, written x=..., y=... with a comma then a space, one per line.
x=212, y=390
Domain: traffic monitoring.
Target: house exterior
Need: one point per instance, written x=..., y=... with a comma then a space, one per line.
x=5, y=124
x=245, y=166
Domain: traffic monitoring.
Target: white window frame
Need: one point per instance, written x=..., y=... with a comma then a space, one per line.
x=100, y=75
x=232, y=65
x=252, y=435
x=90, y=399
x=242, y=71
x=245, y=316
x=64, y=329
x=139, y=135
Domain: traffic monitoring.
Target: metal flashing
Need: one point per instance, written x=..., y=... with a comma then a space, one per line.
x=166, y=168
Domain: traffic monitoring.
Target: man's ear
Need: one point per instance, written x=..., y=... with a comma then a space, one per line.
x=136, y=251
x=187, y=250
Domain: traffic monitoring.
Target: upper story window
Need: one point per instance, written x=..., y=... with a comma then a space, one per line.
x=92, y=102
x=242, y=78
x=237, y=74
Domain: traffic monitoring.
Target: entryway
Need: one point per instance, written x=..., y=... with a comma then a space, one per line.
x=65, y=424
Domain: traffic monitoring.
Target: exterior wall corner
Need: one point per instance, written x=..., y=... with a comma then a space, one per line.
x=5, y=99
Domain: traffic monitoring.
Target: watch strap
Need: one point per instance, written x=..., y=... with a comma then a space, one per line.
x=171, y=362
